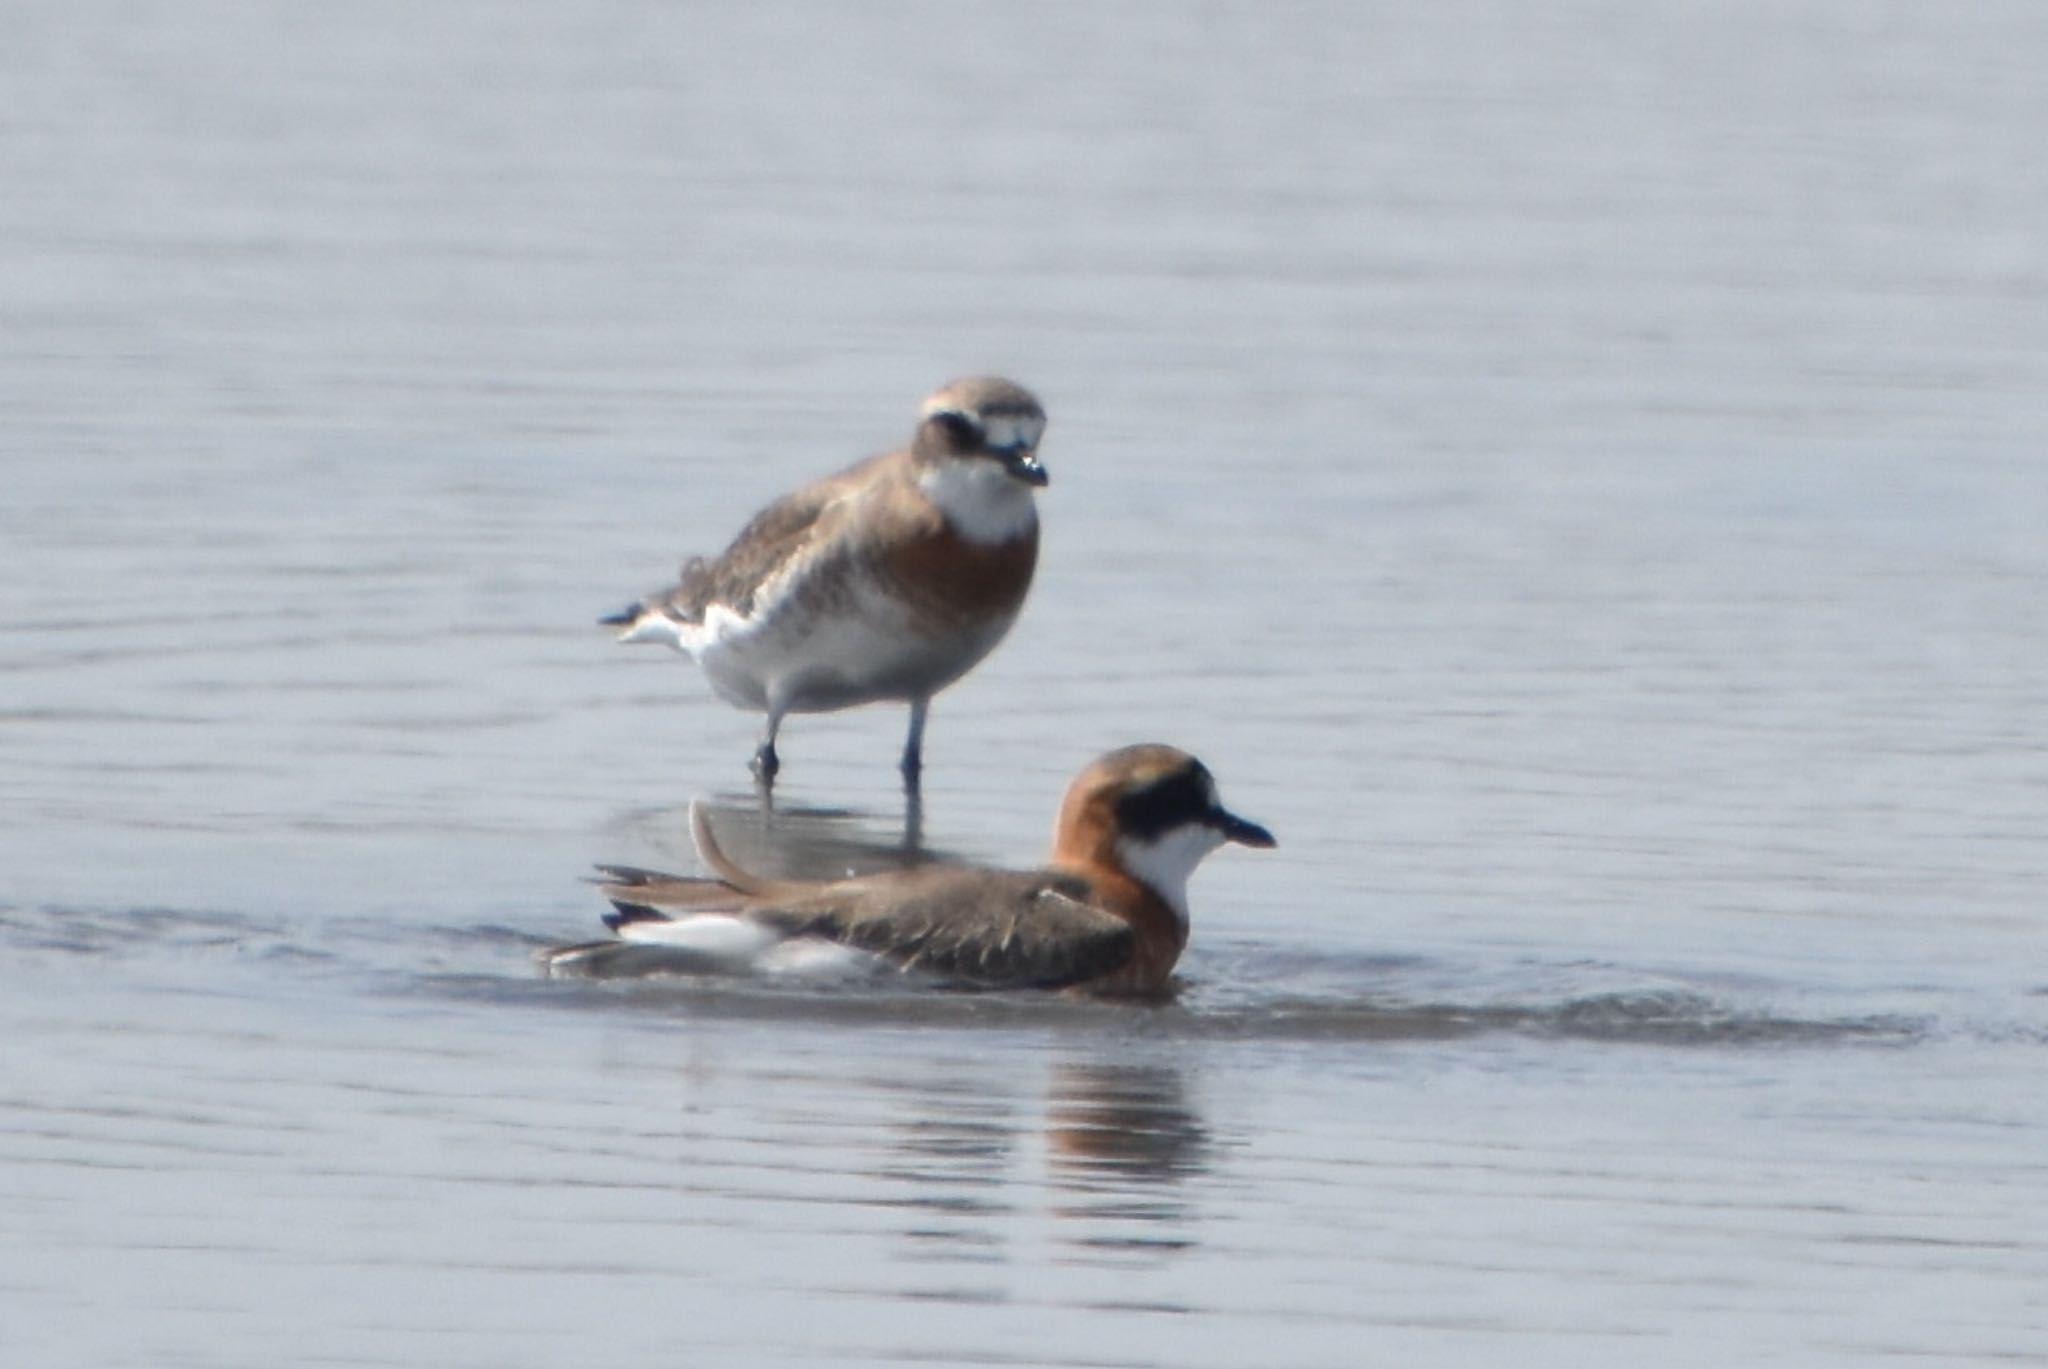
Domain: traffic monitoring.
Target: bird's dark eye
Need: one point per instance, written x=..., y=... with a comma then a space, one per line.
x=961, y=430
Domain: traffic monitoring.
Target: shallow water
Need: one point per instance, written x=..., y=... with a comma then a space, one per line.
x=1573, y=474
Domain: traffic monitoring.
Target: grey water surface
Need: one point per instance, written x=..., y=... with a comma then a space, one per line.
x=1574, y=471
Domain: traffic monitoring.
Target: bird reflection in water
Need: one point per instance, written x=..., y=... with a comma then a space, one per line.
x=781, y=841
x=1124, y=1122
x=1121, y=1141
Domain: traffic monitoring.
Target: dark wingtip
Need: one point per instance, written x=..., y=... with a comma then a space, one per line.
x=624, y=912
x=623, y=618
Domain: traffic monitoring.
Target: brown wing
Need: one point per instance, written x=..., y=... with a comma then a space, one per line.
x=988, y=928
x=787, y=530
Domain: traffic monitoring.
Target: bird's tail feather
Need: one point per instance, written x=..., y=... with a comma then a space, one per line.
x=650, y=896
x=640, y=895
x=728, y=870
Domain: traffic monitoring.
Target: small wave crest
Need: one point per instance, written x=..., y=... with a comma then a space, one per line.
x=1238, y=992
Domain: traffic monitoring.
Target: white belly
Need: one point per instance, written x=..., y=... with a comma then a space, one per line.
x=720, y=944
x=868, y=649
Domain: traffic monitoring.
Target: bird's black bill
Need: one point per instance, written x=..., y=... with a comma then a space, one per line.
x=1241, y=830
x=1024, y=466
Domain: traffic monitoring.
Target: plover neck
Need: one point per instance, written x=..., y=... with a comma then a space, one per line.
x=980, y=500
x=1164, y=863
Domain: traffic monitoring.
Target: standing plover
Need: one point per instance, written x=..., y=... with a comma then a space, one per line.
x=885, y=582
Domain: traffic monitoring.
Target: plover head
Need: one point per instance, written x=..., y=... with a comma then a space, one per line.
x=985, y=418
x=1156, y=810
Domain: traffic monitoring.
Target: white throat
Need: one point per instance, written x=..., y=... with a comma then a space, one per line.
x=1165, y=864
x=982, y=501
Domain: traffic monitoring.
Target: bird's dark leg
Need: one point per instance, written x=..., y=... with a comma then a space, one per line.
x=913, y=823
x=766, y=762
x=913, y=745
